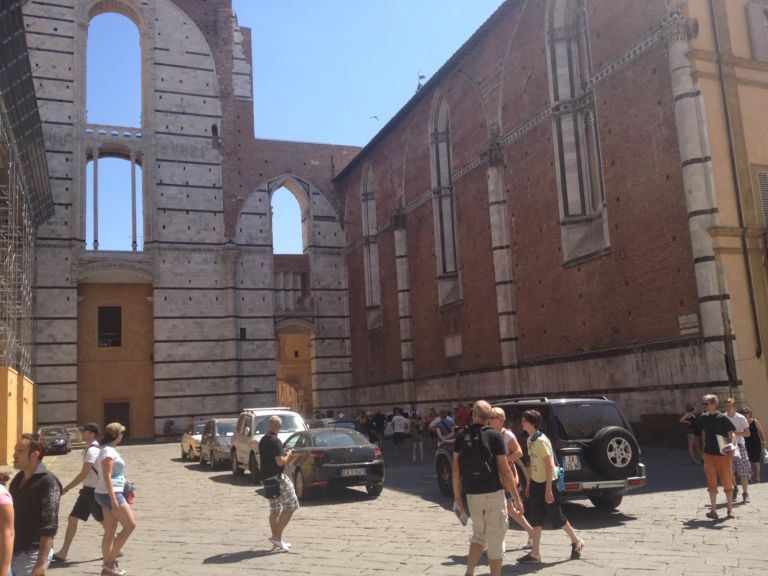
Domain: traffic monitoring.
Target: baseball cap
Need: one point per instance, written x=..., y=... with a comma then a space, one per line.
x=90, y=427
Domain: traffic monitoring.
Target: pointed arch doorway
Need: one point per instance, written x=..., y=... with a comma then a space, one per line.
x=294, y=365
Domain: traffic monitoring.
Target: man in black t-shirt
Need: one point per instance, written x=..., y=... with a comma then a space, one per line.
x=712, y=424
x=277, y=486
x=480, y=468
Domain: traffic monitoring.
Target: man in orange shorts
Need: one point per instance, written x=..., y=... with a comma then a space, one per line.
x=714, y=424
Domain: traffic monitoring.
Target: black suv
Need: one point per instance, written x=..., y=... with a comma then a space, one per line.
x=592, y=438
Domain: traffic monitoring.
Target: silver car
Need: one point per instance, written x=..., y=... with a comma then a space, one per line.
x=216, y=440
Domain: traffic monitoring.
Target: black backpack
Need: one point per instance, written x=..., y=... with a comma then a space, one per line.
x=476, y=461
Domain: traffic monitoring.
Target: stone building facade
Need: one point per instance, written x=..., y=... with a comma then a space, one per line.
x=571, y=205
x=200, y=318
x=574, y=204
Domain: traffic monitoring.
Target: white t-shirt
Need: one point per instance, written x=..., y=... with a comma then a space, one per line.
x=507, y=436
x=400, y=424
x=89, y=457
x=741, y=424
x=118, y=464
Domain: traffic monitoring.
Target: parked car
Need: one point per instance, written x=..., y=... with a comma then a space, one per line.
x=215, y=442
x=593, y=441
x=324, y=457
x=190, y=440
x=249, y=430
x=56, y=439
x=347, y=423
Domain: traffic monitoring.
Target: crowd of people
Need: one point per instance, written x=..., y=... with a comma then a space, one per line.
x=29, y=508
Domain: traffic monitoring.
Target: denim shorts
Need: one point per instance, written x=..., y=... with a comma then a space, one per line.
x=104, y=501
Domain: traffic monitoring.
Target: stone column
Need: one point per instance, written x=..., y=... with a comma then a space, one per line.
x=502, y=266
x=697, y=178
x=133, y=201
x=404, y=307
x=96, y=199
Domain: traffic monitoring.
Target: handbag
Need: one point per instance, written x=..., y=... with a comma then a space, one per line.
x=271, y=487
x=559, y=480
x=129, y=491
x=764, y=456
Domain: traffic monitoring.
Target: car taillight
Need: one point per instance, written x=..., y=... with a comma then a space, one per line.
x=636, y=481
x=376, y=452
x=317, y=454
x=572, y=485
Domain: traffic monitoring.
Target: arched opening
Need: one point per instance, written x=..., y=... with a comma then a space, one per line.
x=294, y=368
x=114, y=217
x=287, y=237
x=113, y=93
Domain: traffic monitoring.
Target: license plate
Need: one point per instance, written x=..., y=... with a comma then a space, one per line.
x=353, y=472
x=571, y=462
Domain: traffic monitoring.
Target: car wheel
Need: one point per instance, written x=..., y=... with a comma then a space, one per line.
x=253, y=467
x=236, y=470
x=183, y=454
x=212, y=461
x=615, y=452
x=374, y=490
x=607, y=500
x=300, y=485
x=444, y=480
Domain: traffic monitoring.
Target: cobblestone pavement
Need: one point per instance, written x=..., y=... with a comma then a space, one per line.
x=194, y=521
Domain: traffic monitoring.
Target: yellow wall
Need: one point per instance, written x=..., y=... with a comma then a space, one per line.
x=121, y=373
x=17, y=410
x=746, y=86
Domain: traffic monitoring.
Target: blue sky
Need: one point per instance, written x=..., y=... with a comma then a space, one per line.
x=331, y=71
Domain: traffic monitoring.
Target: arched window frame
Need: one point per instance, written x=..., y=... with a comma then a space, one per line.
x=576, y=139
x=370, y=248
x=444, y=205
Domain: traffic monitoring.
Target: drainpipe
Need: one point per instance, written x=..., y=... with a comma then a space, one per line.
x=736, y=183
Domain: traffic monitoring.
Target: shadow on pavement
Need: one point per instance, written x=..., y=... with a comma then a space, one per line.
x=234, y=557
x=707, y=524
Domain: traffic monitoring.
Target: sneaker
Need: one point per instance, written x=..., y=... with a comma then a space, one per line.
x=745, y=498
x=576, y=550
x=111, y=569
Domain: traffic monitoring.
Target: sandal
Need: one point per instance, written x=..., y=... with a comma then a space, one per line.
x=731, y=514
x=57, y=558
x=528, y=559
x=576, y=550
x=712, y=515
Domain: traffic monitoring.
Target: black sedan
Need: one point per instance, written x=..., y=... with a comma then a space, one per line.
x=334, y=457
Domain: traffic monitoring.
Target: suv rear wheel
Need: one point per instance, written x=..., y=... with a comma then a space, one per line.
x=615, y=452
x=253, y=468
x=444, y=476
x=607, y=500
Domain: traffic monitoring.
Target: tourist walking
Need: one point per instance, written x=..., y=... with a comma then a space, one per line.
x=278, y=488
x=6, y=526
x=481, y=471
x=85, y=505
x=417, y=436
x=692, y=432
x=442, y=425
x=400, y=426
x=513, y=452
x=109, y=494
x=742, y=471
x=543, y=498
x=755, y=442
x=36, y=493
x=717, y=430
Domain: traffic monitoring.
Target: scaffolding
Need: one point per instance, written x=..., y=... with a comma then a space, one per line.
x=17, y=248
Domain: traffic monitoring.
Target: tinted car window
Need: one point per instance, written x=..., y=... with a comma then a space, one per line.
x=225, y=428
x=573, y=422
x=53, y=431
x=290, y=423
x=339, y=440
x=199, y=428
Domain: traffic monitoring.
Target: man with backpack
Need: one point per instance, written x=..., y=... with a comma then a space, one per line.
x=481, y=470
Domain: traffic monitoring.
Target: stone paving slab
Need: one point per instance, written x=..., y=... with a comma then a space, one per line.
x=197, y=522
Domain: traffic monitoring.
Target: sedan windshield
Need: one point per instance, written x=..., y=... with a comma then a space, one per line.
x=225, y=428
x=199, y=428
x=53, y=431
x=582, y=421
x=340, y=440
x=290, y=423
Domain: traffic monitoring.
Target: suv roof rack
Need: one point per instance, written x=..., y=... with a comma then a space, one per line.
x=267, y=408
x=545, y=399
